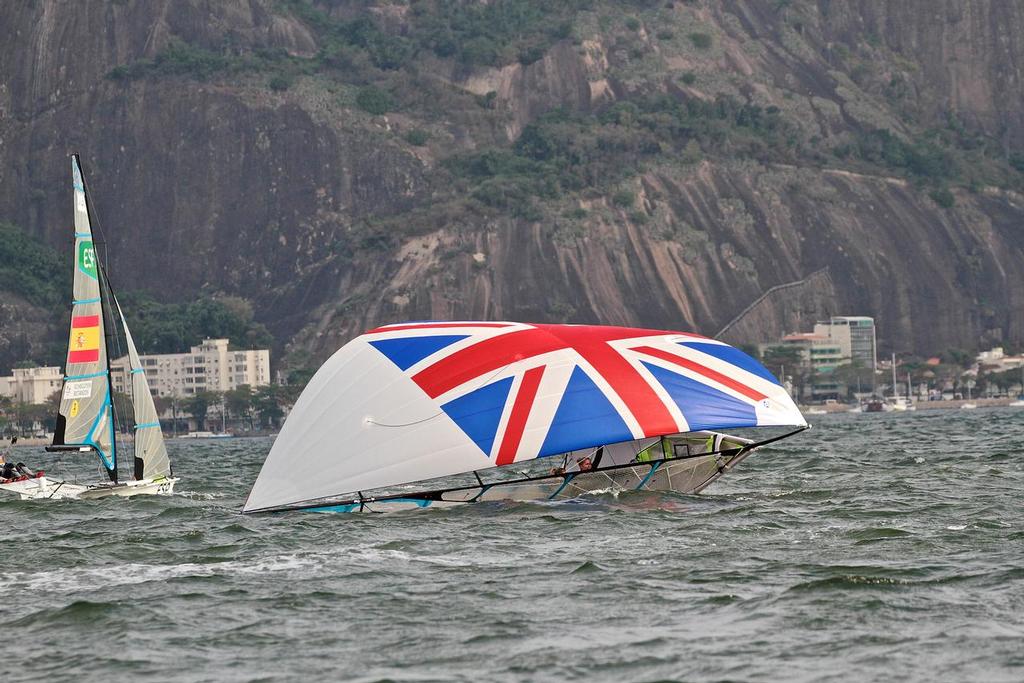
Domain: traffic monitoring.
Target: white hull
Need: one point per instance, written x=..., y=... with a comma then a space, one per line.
x=687, y=476
x=162, y=486
x=40, y=488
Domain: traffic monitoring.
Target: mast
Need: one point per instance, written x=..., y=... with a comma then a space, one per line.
x=105, y=310
x=105, y=315
x=895, y=395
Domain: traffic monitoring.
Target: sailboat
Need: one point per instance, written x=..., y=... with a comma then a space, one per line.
x=897, y=402
x=86, y=415
x=439, y=414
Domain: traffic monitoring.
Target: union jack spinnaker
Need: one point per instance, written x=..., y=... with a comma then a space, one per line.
x=410, y=402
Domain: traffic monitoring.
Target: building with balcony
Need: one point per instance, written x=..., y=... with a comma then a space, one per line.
x=32, y=385
x=211, y=366
x=855, y=336
x=817, y=352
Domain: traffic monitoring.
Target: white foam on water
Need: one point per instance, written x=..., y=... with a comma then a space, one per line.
x=72, y=579
x=377, y=556
x=957, y=527
x=614, y=491
x=198, y=495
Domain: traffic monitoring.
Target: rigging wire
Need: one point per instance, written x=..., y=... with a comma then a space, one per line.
x=109, y=327
x=733, y=453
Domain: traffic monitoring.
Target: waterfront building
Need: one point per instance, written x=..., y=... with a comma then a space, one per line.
x=210, y=366
x=817, y=352
x=996, y=360
x=32, y=385
x=821, y=356
x=855, y=336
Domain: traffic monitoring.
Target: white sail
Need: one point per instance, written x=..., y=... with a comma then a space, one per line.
x=410, y=402
x=85, y=415
x=150, y=451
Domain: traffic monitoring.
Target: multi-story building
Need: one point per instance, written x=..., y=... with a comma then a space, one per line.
x=211, y=366
x=32, y=385
x=821, y=356
x=995, y=359
x=817, y=352
x=855, y=336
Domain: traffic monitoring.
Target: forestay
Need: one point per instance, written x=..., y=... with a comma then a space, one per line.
x=410, y=402
x=85, y=416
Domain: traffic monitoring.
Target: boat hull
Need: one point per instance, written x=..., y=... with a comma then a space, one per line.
x=162, y=486
x=40, y=488
x=685, y=476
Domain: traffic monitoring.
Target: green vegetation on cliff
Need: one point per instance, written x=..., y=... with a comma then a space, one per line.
x=175, y=327
x=41, y=276
x=31, y=269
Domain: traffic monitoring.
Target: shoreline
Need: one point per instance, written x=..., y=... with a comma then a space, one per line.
x=45, y=441
x=919, y=405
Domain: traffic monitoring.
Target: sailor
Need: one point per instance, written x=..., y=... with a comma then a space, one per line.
x=585, y=465
x=8, y=469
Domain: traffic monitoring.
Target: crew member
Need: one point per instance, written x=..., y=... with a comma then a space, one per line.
x=8, y=469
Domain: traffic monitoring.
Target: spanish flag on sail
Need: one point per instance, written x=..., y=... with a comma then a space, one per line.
x=84, y=345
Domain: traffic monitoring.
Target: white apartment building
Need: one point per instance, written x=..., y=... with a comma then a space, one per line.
x=32, y=385
x=997, y=360
x=211, y=366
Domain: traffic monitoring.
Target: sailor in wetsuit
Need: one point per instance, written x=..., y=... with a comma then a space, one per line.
x=10, y=470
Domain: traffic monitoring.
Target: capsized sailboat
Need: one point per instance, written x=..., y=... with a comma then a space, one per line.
x=411, y=415
x=86, y=416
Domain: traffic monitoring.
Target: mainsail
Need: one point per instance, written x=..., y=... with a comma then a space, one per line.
x=85, y=415
x=411, y=402
x=150, y=451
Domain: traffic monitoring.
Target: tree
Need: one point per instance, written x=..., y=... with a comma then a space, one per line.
x=784, y=359
x=199, y=404
x=855, y=376
x=29, y=414
x=239, y=403
x=782, y=356
x=267, y=401
x=161, y=403
x=123, y=409
x=6, y=415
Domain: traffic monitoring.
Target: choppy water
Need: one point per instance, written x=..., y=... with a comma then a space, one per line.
x=883, y=547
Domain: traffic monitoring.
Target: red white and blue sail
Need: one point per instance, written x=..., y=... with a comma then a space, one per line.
x=414, y=401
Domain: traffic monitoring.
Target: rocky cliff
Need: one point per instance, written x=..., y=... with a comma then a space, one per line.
x=344, y=164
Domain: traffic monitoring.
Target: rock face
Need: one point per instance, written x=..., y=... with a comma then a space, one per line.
x=331, y=220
